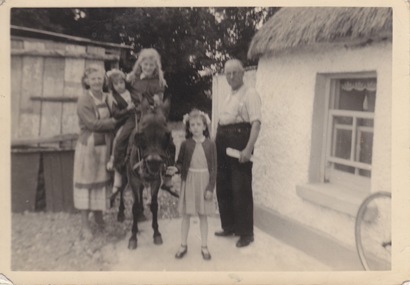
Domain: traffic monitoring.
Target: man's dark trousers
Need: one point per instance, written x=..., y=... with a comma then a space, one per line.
x=234, y=181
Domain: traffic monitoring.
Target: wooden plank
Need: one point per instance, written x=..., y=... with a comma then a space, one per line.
x=70, y=119
x=32, y=77
x=52, y=45
x=53, y=77
x=29, y=125
x=72, y=38
x=74, y=69
x=17, y=44
x=53, y=181
x=73, y=72
x=90, y=62
x=95, y=50
x=60, y=99
x=58, y=175
x=67, y=170
x=53, y=82
x=48, y=182
x=34, y=44
x=31, y=85
x=16, y=72
x=44, y=140
x=24, y=180
x=115, y=51
x=75, y=48
x=63, y=54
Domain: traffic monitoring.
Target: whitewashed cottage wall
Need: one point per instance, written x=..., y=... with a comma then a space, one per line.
x=287, y=87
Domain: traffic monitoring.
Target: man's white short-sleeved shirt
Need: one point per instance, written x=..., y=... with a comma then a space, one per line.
x=242, y=105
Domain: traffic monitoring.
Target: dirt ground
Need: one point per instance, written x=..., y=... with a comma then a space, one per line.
x=45, y=241
x=52, y=241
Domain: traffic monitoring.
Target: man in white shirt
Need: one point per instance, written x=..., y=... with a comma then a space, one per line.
x=238, y=128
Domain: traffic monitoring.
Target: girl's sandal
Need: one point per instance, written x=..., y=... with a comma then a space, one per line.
x=205, y=253
x=181, y=252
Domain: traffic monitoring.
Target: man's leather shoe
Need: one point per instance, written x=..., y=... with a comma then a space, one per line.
x=244, y=241
x=224, y=233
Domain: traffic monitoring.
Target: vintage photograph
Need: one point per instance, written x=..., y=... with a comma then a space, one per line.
x=201, y=139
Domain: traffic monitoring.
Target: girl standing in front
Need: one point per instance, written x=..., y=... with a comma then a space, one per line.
x=147, y=86
x=197, y=165
x=91, y=179
x=122, y=109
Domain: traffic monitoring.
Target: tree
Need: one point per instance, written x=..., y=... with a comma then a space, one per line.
x=237, y=27
x=190, y=39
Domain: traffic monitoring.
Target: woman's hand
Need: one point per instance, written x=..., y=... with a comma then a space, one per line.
x=171, y=170
x=110, y=164
x=130, y=106
x=208, y=195
x=245, y=155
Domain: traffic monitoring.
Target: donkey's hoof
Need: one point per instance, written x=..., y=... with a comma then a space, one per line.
x=132, y=244
x=120, y=217
x=158, y=239
x=142, y=218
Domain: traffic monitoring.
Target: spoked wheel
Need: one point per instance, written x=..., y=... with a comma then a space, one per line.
x=373, y=232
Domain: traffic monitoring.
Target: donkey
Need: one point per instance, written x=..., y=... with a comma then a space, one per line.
x=150, y=148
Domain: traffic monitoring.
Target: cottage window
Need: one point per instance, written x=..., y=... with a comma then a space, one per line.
x=349, y=133
x=340, y=167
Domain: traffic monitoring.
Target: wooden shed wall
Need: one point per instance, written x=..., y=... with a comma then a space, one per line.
x=45, y=82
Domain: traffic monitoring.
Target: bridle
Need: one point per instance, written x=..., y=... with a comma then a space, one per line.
x=143, y=169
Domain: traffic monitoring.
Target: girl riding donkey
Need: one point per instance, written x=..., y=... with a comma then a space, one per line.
x=122, y=109
x=147, y=86
x=150, y=145
x=197, y=165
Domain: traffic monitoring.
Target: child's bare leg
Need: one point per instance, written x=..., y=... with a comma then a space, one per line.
x=110, y=164
x=203, y=225
x=117, y=182
x=186, y=220
x=184, y=236
x=85, y=225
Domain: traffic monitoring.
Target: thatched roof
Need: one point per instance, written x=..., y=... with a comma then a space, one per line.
x=303, y=27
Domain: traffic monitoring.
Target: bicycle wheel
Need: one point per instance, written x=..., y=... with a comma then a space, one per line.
x=373, y=231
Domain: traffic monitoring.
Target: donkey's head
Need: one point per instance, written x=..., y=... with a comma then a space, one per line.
x=152, y=139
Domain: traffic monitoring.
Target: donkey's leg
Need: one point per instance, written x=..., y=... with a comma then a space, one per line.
x=154, y=210
x=136, y=209
x=121, y=215
x=141, y=216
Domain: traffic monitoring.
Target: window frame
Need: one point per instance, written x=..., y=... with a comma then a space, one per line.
x=334, y=176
